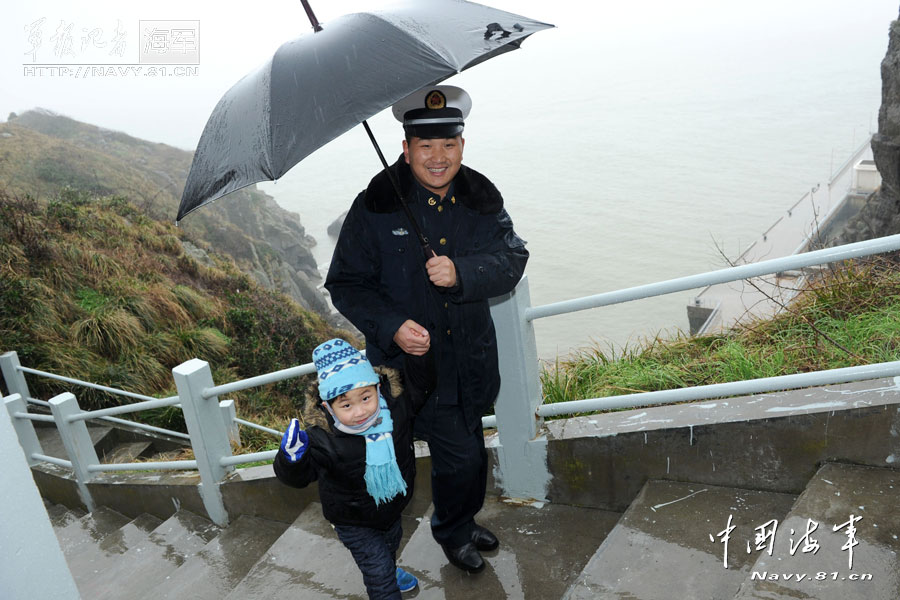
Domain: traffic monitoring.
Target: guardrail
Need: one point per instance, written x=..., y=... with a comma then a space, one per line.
x=212, y=427
x=518, y=412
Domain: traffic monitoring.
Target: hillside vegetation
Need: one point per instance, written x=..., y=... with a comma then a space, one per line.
x=92, y=288
x=848, y=317
x=42, y=154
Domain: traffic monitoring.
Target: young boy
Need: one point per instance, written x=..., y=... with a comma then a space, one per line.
x=359, y=448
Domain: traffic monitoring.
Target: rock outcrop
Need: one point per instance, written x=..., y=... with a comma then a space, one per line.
x=880, y=216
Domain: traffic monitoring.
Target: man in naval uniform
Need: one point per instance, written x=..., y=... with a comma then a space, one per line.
x=435, y=306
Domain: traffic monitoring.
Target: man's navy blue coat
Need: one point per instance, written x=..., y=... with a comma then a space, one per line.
x=377, y=277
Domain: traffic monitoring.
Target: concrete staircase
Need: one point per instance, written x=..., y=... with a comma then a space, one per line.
x=669, y=544
x=754, y=502
x=186, y=556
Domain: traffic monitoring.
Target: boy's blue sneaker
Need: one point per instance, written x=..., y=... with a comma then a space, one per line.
x=406, y=581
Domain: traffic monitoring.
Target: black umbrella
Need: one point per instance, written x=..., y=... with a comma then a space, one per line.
x=322, y=84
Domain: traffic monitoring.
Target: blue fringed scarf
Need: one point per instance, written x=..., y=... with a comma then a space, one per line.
x=383, y=477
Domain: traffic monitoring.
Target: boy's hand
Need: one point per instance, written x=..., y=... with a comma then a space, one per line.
x=294, y=441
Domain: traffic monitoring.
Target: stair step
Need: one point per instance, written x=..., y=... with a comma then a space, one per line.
x=308, y=561
x=60, y=516
x=220, y=565
x=672, y=528
x=92, y=559
x=834, y=494
x=147, y=564
x=127, y=452
x=52, y=444
x=542, y=551
x=91, y=528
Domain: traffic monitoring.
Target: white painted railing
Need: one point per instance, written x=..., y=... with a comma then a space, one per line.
x=518, y=413
x=520, y=409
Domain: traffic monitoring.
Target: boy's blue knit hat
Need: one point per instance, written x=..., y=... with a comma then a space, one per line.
x=341, y=368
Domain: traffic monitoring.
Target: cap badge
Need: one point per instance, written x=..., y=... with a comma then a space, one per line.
x=435, y=99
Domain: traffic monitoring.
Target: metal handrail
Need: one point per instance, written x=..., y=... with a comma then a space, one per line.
x=88, y=384
x=766, y=267
x=239, y=459
x=60, y=462
x=722, y=390
x=173, y=465
x=145, y=427
x=135, y=424
x=273, y=377
x=258, y=427
x=124, y=409
x=34, y=417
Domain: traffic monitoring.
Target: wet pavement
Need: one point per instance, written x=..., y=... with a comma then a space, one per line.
x=542, y=550
x=676, y=540
x=220, y=566
x=91, y=559
x=150, y=560
x=309, y=560
x=92, y=527
x=816, y=556
x=667, y=544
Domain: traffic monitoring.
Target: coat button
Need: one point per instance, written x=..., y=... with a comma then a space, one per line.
x=448, y=332
x=432, y=202
x=441, y=208
x=453, y=199
x=443, y=241
x=446, y=304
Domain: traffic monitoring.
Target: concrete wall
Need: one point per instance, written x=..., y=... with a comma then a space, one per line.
x=33, y=565
x=769, y=442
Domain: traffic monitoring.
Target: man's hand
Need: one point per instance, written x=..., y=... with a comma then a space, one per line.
x=294, y=441
x=413, y=338
x=441, y=271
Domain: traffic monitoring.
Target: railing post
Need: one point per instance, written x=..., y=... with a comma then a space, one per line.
x=77, y=441
x=207, y=430
x=522, y=452
x=14, y=378
x=24, y=428
x=229, y=413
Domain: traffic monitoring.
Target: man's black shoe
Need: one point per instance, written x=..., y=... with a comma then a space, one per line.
x=466, y=557
x=483, y=539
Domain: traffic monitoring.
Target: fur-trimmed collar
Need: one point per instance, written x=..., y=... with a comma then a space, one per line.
x=472, y=188
x=314, y=414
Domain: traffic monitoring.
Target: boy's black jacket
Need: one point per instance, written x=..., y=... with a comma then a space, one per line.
x=337, y=460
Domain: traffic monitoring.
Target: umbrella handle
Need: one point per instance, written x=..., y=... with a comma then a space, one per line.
x=311, y=16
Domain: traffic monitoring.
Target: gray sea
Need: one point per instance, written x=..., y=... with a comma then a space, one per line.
x=634, y=146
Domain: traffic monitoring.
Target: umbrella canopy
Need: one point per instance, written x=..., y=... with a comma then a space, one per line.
x=322, y=84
